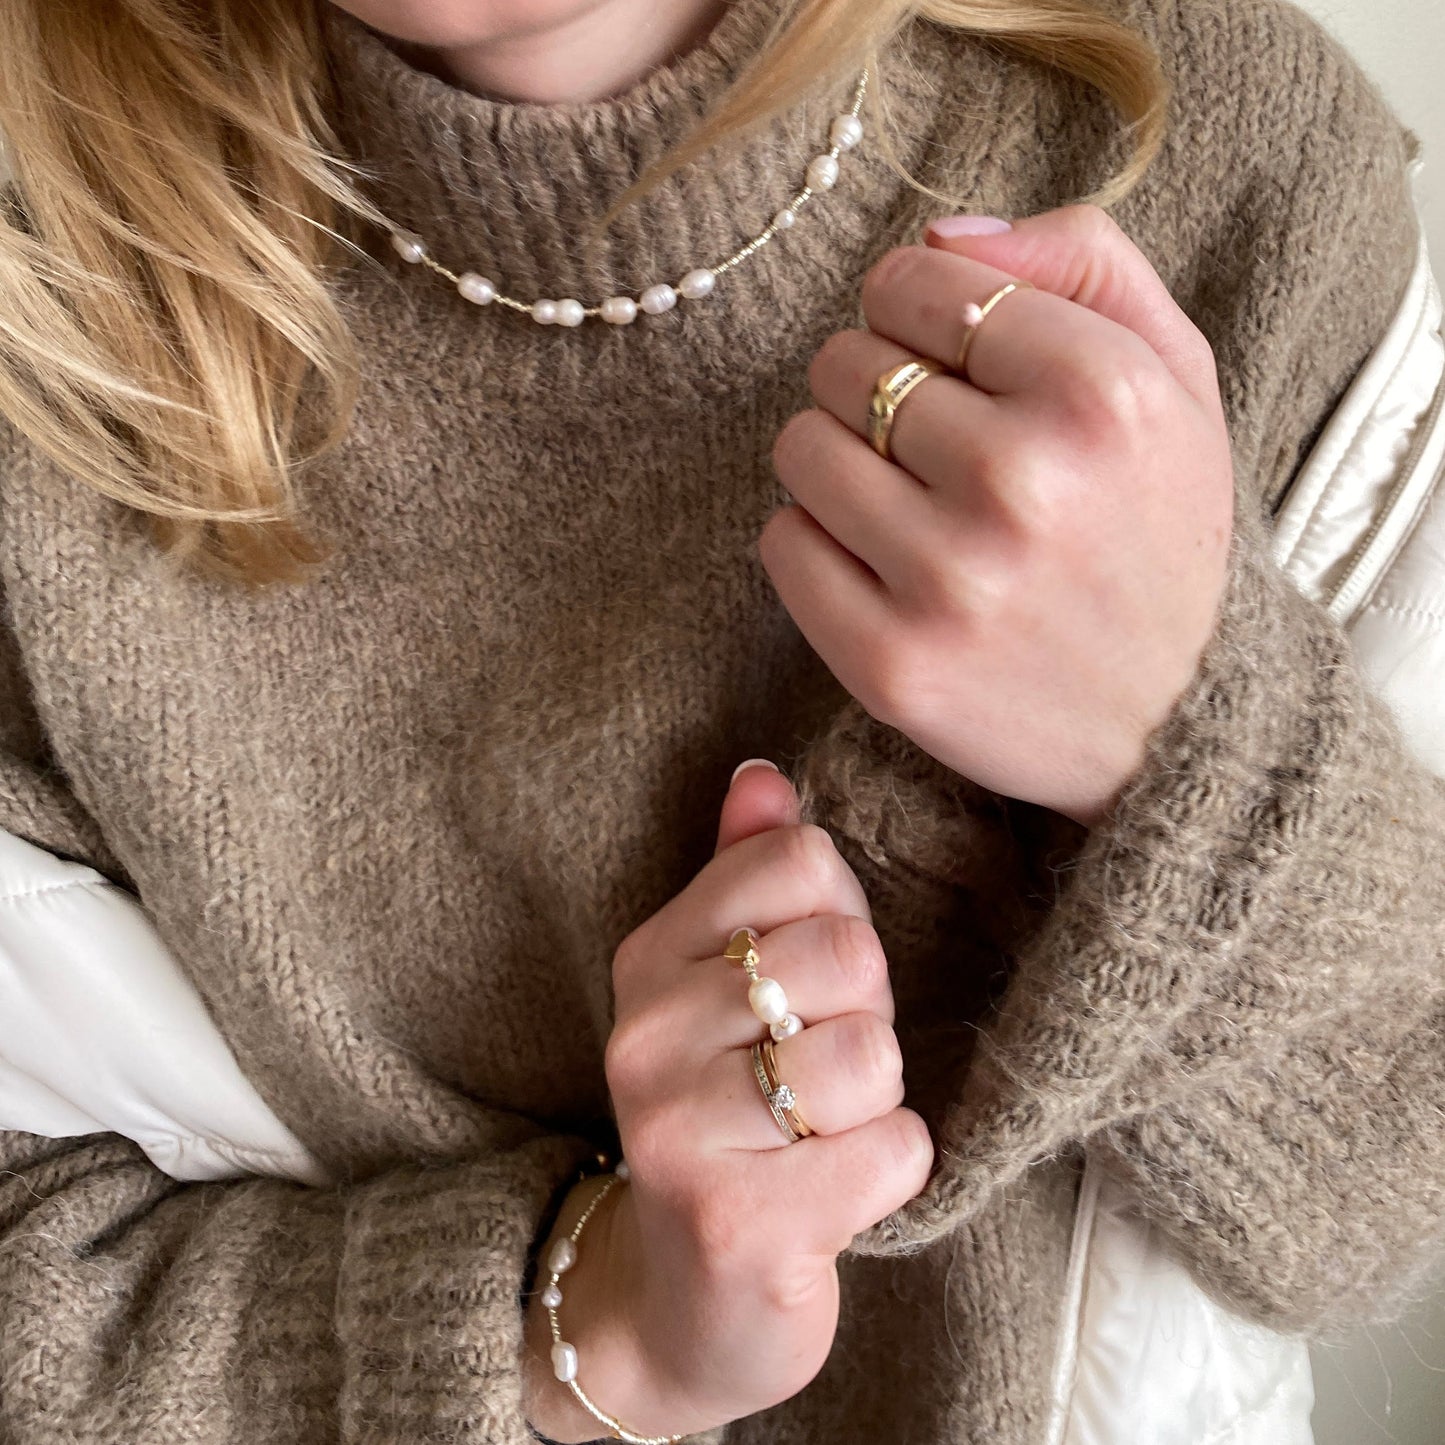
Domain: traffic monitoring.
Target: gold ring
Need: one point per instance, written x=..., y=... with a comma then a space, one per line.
x=775, y=1096
x=973, y=318
x=888, y=393
x=787, y=1101
x=766, y=997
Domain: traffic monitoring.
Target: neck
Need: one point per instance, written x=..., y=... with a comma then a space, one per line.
x=575, y=51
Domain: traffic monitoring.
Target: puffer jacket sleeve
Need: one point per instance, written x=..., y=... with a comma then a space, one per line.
x=1236, y=994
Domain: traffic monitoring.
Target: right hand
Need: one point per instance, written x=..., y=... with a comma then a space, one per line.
x=707, y=1288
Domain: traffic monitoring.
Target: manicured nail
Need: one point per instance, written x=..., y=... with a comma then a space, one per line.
x=752, y=763
x=947, y=226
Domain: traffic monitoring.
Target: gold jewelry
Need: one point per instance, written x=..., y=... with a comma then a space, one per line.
x=560, y=1258
x=783, y=1096
x=888, y=393
x=973, y=318
x=777, y=1096
x=765, y=995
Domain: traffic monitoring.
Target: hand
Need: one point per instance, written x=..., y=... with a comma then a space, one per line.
x=710, y=1289
x=1027, y=589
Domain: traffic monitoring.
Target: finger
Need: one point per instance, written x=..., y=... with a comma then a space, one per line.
x=840, y=605
x=829, y=965
x=1032, y=342
x=939, y=428
x=867, y=505
x=844, y=1072
x=1080, y=253
x=760, y=882
x=758, y=798
x=837, y=1185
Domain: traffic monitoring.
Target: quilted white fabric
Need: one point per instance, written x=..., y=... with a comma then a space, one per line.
x=101, y=1029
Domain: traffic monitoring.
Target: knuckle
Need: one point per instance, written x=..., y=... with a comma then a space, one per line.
x=870, y=1050
x=627, y=962
x=858, y=952
x=1088, y=221
x=789, y=1283
x=812, y=858
x=1122, y=393
x=912, y=1145
x=630, y=1057
x=650, y=1140
x=888, y=271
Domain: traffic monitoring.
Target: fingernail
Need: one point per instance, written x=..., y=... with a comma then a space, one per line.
x=752, y=763
x=947, y=226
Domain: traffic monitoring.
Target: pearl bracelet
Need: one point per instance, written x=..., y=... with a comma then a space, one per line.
x=561, y=1257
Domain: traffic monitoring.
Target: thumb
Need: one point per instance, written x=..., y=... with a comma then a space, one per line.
x=1080, y=253
x=758, y=798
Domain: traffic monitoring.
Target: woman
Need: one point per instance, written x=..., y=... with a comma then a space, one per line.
x=1100, y=841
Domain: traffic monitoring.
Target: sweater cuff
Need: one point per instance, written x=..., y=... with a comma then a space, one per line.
x=429, y=1297
x=1252, y=883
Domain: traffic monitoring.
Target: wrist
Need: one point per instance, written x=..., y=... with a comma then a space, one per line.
x=595, y=1317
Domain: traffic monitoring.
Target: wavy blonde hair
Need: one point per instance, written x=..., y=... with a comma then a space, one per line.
x=178, y=192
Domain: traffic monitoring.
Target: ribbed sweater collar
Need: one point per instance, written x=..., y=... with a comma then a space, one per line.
x=502, y=187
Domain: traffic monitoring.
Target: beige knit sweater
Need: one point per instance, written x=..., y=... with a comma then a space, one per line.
x=395, y=822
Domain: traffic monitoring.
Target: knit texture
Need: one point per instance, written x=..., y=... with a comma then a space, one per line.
x=395, y=821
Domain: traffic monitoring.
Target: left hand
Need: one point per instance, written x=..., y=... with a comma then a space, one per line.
x=1026, y=589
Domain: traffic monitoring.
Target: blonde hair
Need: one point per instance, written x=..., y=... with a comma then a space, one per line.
x=166, y=331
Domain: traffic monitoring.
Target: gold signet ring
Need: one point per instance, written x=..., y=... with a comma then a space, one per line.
x=888, y=393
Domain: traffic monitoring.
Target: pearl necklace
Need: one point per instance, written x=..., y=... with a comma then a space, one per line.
x=822, y=174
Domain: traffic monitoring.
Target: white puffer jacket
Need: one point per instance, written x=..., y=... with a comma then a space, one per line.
x=101, y=1030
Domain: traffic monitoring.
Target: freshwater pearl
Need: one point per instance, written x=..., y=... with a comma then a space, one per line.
x=552, y=1297
x=623, y=1170
x=697, y=284
x=564, y=1360
x=409, y=246
x=823, y=172
x=657, y=299
x=477, y=289
x=785, y=1027
x=562, y=1257
x=768, y=1000
x=846, y=130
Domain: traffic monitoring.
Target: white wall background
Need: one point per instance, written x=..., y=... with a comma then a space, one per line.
x=1388, y=1387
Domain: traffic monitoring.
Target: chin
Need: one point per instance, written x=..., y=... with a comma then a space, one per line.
x=462, y=22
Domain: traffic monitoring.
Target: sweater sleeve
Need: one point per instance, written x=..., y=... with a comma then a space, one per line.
x=1236, y=993
x=135, y=1307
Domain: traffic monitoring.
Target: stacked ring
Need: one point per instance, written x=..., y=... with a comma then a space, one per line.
x=765, y=995
x=770, y=1004
x=974, y=316
x=780, y=1095
x=888, y=393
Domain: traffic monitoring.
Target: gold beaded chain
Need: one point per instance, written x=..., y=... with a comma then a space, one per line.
x=561, y=1257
